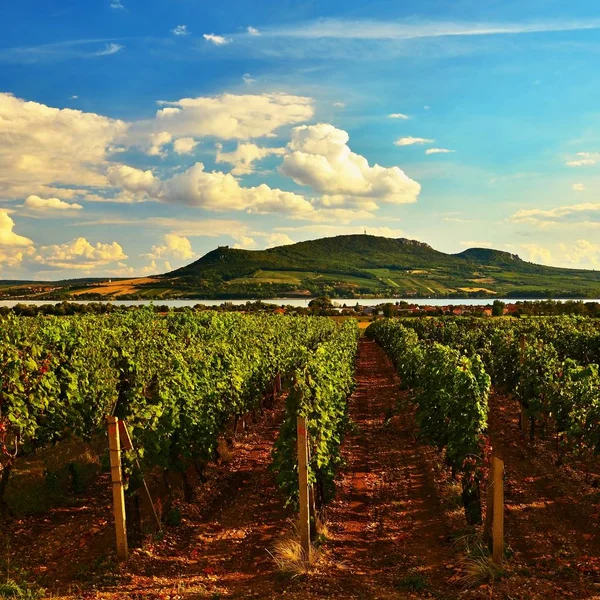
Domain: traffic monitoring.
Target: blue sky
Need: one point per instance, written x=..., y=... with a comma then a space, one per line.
x=136, y=136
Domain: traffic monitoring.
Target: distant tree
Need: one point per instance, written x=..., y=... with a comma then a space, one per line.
x=498, y=308
x=320, y=303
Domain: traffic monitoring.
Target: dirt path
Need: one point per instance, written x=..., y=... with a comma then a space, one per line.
x=551, y=518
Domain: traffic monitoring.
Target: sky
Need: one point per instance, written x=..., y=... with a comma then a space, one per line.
x=136, y=136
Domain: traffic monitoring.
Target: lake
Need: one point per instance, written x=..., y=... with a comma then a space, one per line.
x=300, y=302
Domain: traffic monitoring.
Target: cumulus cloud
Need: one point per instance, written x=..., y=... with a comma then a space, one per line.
x=273, y=240
x=244, y=157
x=583, y=251
x=131, y=179
x=79, y=254
x=575, y=213
x=578, y=187
x=398, y=116
x=180, y=30
x=537, y=254
x=36, y=203
x=7, y=236
x=184, y=145
x=42, y=146
x=217, y=40
x=319, y=157
x=173, y=246
x=410, y=141
x=438, y=151
x=230, y=116
x=157, y=142
x=584, y=159
x=253, y=31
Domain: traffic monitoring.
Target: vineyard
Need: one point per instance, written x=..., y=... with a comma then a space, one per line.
x=213, y=404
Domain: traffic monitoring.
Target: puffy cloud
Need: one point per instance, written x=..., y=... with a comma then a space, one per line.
x=36, y=203
x=277, y=239
x=253, y=31
x=173, y=246
x=321, y=158
x=244, y=156
x=578, y=187
x=184, y=145
x=79, y=254
x=410, y=141
x=180, y=30
x=584, y=159
x=537, y=253
x=157, y=141
x=575, y=213
x=230, y=116
x=582, y=251
x=7, y=236
x=42, y=146
x=398, y=116
x=131, y=179
x=217, y=40
x=438, y=151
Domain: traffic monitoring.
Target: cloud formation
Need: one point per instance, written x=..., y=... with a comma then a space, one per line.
x=48, y=205
x=180, y=30
x=217, y=40
x=574, y=213
x=7, y=236
x=438, y=151
x=173, y=246
x=319, y=157
x=398, y=116
x=410, y=141
x=584, y=159
x=79, y=254
x=244, y=157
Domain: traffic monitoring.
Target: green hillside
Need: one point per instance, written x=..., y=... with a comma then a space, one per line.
x=364, y=264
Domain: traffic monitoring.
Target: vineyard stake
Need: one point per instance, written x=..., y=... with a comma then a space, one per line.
x=498, y=508
x=114, y=444
x=303, y=487
x=489, y=509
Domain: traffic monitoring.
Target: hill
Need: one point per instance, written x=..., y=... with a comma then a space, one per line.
x=347, y=266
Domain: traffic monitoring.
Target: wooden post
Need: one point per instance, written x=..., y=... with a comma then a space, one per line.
x=523, y=417
x=114, y=444
x=303, y=486
x=498, y=524
x=489, y=508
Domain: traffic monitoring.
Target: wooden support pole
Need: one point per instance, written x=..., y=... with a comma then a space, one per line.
x=489, y=507
x=114, y=444
x=498, y=503
x=303, y=487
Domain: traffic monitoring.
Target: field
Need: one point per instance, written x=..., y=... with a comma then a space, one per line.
x=401, y=428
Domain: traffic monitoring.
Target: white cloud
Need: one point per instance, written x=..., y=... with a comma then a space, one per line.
x=339, y=105
x=398, y=116
x=229, y=116
x=43, y=146
x=184, y=145
x=277, y=239
x=321, y=158
x=575, y=214
x=173, y=246
x=244, y=157
x=73, y=97
x=253, y=31
x=582, y=251
x=438, y=151
x=248, y=79
x=410, y=141
x=131, y=179
x=584, y=159
x=109, y=49
x=36, y=203
x=475, y=244
x=537, y=253
x=180, y=30
x=578, y=187
x=217, y=40
x=116, y=4
x=157, y=141
x=7, y=236
x=79, y=254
